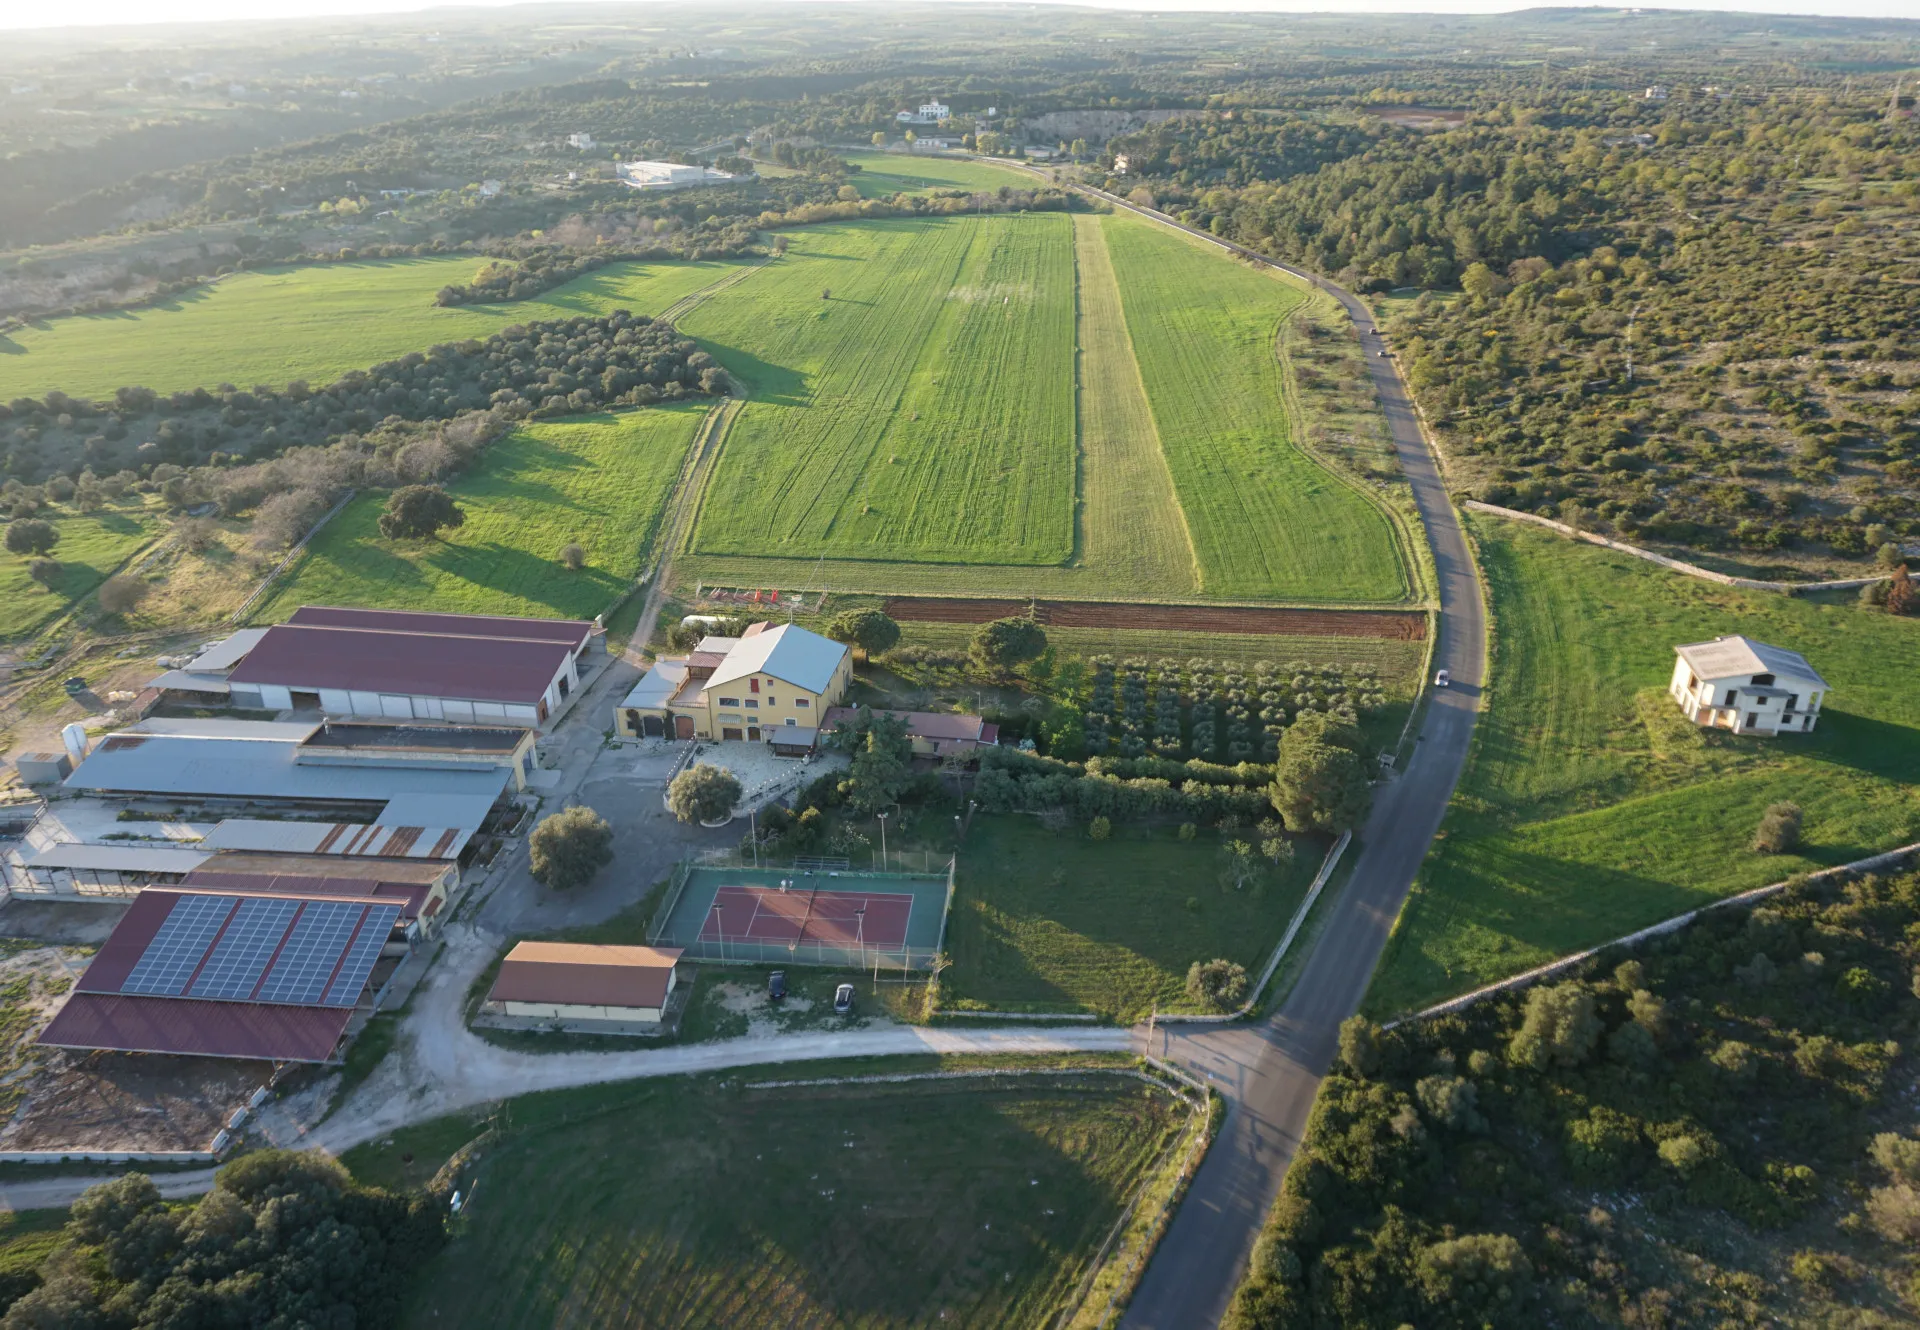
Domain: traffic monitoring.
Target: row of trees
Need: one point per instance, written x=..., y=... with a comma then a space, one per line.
x=556, y=367
x=1742, y=1080
x=1201, y=708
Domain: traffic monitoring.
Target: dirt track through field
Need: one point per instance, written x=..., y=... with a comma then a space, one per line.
x=1400, y=626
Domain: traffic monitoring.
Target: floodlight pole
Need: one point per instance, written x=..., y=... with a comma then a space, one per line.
x=720, y=926
x=883, y=841
x=753, y=834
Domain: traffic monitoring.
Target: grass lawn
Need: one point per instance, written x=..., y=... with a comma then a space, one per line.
x=1054, y=920
x=1267, y=520
x=599, y=480
x=1590, y=807
x=314, y=322
x=91, y=546
x=703, y=1203
x=924, y=413
x=885, y=173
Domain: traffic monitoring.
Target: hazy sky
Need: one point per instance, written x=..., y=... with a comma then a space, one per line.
x=27, y=14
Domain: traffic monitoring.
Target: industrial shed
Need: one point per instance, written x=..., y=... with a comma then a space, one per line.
x=578, y=986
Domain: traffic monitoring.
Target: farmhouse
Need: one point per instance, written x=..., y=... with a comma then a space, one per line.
x=934, y=733
x=1736, y=683
x=396, y=664
x=930, y=113
x=580, y=987
x=772, y=682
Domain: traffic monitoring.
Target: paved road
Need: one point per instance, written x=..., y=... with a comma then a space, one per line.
x=1271, y=1072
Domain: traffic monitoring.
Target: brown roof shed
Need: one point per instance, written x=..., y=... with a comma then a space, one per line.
x=584, y=975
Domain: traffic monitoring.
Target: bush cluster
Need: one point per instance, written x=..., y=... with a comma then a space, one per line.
x=1208, y=711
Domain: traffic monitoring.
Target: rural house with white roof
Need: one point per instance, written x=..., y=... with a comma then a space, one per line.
x=771, y=683
x=1738, y=684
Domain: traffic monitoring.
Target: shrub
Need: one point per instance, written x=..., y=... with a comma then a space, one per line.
x=1736, y=1060
x=1684, y=1154
x=1898, y=1155
x=569, y=847
x=573, y=556
x=1451, y=1101
x=30, y=535
x=1360, y=1045
x=703, y=793
x=44, y=571
x=1479, y=1278
x=1100, y=828
x=1219, y=984
x=1779, y=830
x=1602, y=1146
x=1188, y=831
x=1559, y=1028
x=998, y=646
x=416, y=512
x=121, y=593
x=1894, y=1212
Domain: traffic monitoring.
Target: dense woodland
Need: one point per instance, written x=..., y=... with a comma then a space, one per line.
x=1752, y=261
x=1716, y=1128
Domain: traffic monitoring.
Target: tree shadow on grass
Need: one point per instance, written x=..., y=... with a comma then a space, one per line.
x=539, y=580
x=766, y=381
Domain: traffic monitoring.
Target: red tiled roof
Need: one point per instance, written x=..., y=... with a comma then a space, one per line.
x=574, y=631
x=252, y=1030
x=426, y=664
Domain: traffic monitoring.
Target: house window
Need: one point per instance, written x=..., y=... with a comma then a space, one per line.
x=752, y=703
x=729, y=701
x=1763, y=681
x=792, y=721
x=1793, y=700
x=1753, y=719
x=801, y=702
x=1733, y=696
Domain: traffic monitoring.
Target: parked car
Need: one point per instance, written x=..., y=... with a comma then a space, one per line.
x=1442, y=679
x=843, y=1000
x=75, y=686
x=1381, y=354
x=777, y=986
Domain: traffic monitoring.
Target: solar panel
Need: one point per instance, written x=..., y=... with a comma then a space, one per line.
x=178, y=946
x=240, y=957
x=358, y=966
x=312, y=952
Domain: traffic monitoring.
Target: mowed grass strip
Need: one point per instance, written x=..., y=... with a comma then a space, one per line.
x=1049, y=921
x=600, y=481
x=315, y=323
x=91, y=546
x=1590, y=807
x=886, y=173
x=1267, y=520
x=922, y=413
x=1130, y=521
x=965, y=1204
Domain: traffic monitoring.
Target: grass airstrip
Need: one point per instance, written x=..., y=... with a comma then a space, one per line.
x=965, y=1203
x=1591, y=807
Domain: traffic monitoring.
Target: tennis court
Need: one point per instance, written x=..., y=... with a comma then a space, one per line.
x=792, y=916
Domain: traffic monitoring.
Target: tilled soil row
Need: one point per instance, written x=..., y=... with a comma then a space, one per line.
x=1396, y=625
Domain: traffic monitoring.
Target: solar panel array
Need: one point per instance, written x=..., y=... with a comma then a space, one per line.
x=264, y=949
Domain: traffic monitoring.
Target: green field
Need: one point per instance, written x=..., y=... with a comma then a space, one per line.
x=1590, y=807
x=314, y=322
x=600, y=481
x=1267, y=520
x=885, y=173
x=924, y=413
x=1049, y=921
x=700, y=1203
x=91, y=546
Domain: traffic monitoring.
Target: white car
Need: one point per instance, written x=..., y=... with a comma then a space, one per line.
x=1442, y=679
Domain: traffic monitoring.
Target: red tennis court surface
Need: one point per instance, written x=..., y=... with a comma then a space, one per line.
x=827, y=918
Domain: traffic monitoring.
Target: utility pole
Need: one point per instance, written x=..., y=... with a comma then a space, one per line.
x=1630, y=318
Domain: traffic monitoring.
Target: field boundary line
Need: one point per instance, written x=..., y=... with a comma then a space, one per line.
x=1320, y=880
x=1527, y=978
x=292, y=556
x=1673, y=565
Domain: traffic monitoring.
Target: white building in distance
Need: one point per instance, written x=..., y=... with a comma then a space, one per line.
x=1738, y=684
x=930, y=113
x=584, y=142
x=668, y=175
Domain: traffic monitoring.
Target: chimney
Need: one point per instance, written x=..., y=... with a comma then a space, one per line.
x=74, y=737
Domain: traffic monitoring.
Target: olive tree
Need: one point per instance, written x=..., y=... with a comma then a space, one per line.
x=703, y=793
x=569, y=847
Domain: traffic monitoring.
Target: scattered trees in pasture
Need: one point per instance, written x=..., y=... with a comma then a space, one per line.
x=419, y=512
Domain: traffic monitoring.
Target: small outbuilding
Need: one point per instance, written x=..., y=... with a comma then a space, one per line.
x=1749, y=687
x=579, y=986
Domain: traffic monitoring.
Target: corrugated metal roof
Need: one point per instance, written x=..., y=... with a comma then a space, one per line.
x=252, y=1030
x=281, y=731
x=224, y=655
x=379, y=840
x=116, y=858
x=789, y=653
x=658, y=685
x=427, y=808
x=186, y=681
x=420, y=664
x=578, y=974
x=410, y=896
x=265, y=769
x=572, y=631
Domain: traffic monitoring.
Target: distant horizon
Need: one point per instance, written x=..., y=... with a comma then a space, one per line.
x=95, y=14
